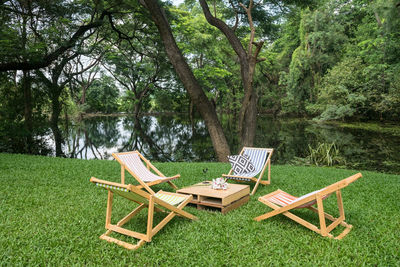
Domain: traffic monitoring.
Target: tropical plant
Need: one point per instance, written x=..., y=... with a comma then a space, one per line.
x=325, y=155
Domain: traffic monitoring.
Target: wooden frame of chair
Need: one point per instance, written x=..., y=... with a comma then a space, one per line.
x=307, y=202
x=148, y=201
x=260, y=176
x=149, y=166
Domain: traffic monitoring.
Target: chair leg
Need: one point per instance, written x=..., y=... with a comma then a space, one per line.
x=336, y=221
x=260, y=181
x=109, y=208
x=106, y=236
x=174, y=212
x=255, y=186
x=345, y=232
x=323, y=230
x=150, y=218
x=340, y=203
x=126, y=245
x=122, y=174
x=321, y=215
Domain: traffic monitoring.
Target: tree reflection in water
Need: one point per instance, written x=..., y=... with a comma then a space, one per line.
x=158, y=138
x=168, y=139
x=92, y=138
x=174, y=138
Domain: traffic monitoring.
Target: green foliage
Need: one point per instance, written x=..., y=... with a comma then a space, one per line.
x=13, y=131
x=52, y=215
x=321, y=39
x=28, y=32
x=168, y=100
x=333, y=59
x=325, y=155
x=347, y=63
x=102, y=96
x=341, y=95
x=365, y=82
x=139, y=65
x=372, y=127
x=289, y=39
x=210, y=56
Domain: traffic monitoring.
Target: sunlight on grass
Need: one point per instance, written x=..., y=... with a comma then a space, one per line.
x=52, y=215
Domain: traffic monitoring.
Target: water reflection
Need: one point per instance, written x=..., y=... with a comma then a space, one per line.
x=158, y=138
x=174, y=138
x=361, y=149
x=93, y=138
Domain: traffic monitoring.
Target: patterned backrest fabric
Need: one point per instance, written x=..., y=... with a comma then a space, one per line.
x=257, y=157
x=241, y=164
x=135, y=164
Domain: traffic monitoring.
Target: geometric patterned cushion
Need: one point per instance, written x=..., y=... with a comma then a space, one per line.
x=241, y=164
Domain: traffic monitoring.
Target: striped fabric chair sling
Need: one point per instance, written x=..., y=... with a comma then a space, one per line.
x=133, y=162
x=261, y=159
x=282, y=202
x=172, y=203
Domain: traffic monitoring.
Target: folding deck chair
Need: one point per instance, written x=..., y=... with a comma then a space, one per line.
x=282, y=202
x=260, y=158
x=172, y=203
x=133, y=162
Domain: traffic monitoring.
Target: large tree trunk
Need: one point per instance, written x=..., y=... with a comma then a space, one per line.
x=248, y=60
x=55, y=115
x=248, y=111
x=190, y=83
x=248, y=132
x=27, y=91
x=26, y=87
x=136, y=108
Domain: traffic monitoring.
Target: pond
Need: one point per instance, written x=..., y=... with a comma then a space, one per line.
x=175, y=138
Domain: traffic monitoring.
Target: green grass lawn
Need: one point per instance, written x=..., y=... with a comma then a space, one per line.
x=50, y=214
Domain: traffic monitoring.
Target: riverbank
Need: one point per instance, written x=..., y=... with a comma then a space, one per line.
x=379, y=127
x=52, y=215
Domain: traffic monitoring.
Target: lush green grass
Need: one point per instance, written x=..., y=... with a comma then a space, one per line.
x=51, y=215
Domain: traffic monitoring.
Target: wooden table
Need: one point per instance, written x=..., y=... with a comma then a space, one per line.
x=222, y=200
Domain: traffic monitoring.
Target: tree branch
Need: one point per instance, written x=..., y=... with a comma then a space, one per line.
x=252, y=29
x=236, y=16
x=228, y=32
x=48, y=59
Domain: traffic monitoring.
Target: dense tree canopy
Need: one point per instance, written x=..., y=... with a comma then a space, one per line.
x=328, y=60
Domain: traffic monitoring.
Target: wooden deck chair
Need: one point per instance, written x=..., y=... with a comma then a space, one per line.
x=172, y=203
x=133, y=162
x=261, y=159
x=282, y=202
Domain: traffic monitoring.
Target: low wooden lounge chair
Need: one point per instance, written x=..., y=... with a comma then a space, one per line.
x=172, y=203
x=133, y=162
x=260, y=158
x=282, y=202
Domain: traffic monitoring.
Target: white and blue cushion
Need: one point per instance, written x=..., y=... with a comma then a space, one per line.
x=241, y=164
x=257, y=157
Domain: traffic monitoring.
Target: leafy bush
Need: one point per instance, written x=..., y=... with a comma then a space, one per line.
x=102, y=96
x=341, y=94
x=325, y=155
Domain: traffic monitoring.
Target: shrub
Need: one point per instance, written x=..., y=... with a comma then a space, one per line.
x=325, y=155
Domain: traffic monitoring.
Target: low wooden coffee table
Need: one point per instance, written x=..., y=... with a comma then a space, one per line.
x=223, y=200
